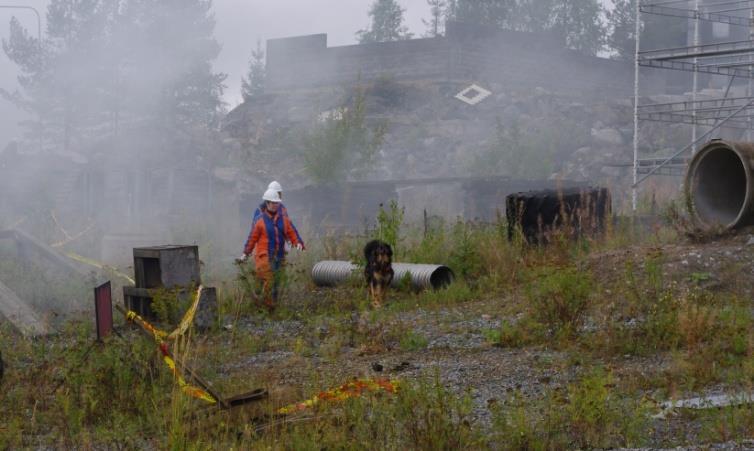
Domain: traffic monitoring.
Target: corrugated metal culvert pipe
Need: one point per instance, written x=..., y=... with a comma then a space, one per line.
x=720, y=185
x=329, y=273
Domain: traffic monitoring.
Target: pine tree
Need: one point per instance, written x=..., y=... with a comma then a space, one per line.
x=579, y=24
x=533, y=15
x=108, y=65
x=59, y=86
x=622, y=22
x=483, y=12
x=172, y=42
x=387, y=23
x=435, y=25
x=656, y=31
x=253, y=84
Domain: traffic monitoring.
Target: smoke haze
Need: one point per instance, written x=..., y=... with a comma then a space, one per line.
x=239, y=24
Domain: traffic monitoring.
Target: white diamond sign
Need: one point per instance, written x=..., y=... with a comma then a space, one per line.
x=473, y=95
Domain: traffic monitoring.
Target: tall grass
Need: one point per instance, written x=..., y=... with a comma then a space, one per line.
x=556, y=296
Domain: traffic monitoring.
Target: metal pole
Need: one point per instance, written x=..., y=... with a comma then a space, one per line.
x=39, y=19
x=637, y=33
x=749, y=86
x=695, y=83
x=704, y=135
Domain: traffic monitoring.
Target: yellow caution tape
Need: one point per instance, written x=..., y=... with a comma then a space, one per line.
x=188, y=317
x=160, y=337
x=98, y=265
x=187, y=388
x=353, y=389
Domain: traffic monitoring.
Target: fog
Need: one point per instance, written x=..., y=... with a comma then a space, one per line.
x=239, y=24
x=118, y=163
x=145, y=137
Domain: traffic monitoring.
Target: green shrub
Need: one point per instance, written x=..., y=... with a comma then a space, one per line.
x=433, y=246
x=559, y=298
x=413, y=341
x=591, y=415
x=455, y=293
x=389, y=224
x=521, y=333
x=169, y=304
x=465, y=258
x=343, y=144
x=596, y=416
x=422, y=415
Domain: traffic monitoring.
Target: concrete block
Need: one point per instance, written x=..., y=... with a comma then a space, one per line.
x=206, y=315
x=166, y=266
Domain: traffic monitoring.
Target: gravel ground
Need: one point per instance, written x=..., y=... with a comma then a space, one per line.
x=458, y=353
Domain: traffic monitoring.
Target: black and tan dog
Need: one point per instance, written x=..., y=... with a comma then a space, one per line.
x=379, y=269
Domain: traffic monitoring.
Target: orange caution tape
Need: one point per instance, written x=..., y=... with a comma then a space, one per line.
x=348, y=390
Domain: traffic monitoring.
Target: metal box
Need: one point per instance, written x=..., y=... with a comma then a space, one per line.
x=140, y=301
x=166, y=266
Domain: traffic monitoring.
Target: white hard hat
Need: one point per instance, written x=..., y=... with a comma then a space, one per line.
x=271, y=196
x=274, y=185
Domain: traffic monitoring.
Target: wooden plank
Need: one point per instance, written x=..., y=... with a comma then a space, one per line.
x=245, y=398
x=20, y=314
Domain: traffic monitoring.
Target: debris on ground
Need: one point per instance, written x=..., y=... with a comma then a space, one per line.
x=705, y=402
x=353, y=389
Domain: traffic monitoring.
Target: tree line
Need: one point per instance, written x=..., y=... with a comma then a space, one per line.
x=583, y=25
x=107, y=70
x=114, y=69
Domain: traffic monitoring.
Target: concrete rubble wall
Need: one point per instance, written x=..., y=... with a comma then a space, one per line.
x=520, y=60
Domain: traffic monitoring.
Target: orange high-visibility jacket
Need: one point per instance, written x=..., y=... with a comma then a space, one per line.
x=268, y=236
x=283, y=211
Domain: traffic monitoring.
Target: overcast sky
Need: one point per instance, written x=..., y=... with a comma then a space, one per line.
x=239, y=24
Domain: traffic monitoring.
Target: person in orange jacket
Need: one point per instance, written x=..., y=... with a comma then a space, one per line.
x=269, y=232
x=276, y=186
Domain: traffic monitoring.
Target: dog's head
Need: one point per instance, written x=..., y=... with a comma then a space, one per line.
x=384, y=254
x=379, y=252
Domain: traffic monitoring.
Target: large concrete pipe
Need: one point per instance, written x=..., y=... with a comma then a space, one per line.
x=330, y=273
x=720, y=185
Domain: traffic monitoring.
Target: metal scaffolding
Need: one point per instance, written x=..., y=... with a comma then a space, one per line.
x=731, y=59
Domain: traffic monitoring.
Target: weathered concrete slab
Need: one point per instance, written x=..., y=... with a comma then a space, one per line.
x=23, y=317
x=27, y=242
x=24, y=239
x=206, y=316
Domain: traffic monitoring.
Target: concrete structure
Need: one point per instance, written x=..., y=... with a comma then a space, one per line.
x=355, y=205
x=166, y=266
x=720, y=185
x=467, y=53
x=161, y=267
